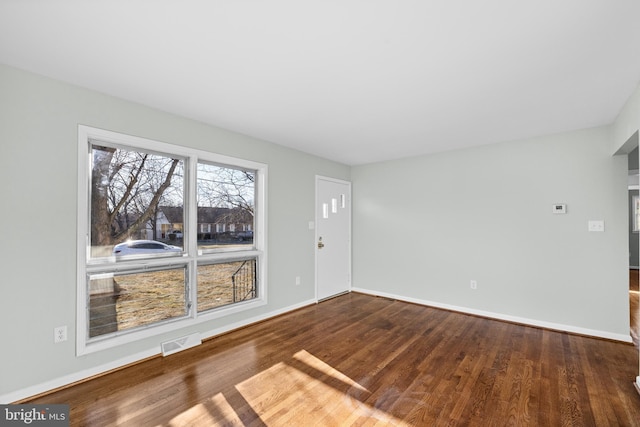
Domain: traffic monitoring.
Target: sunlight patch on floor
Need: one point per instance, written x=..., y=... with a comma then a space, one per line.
x=214, y=411
x=307, y=391
x=312, y=361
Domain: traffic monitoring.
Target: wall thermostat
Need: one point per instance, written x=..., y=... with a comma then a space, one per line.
x=560, y=208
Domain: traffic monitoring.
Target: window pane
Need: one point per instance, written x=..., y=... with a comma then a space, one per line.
x=128, y=189
x=636, y=212
x=226, y=203
x=226, y=283
x=127, y=301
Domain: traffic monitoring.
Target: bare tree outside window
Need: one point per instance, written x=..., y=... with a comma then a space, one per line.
x=126, y=189
x=226, y=203
x=225, y=187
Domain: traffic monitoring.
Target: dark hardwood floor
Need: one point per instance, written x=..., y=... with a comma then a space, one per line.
x=362, y=360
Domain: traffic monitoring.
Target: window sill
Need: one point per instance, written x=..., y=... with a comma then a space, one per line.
x=93, y=345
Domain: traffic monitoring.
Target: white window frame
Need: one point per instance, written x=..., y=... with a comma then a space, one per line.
x=191, y=257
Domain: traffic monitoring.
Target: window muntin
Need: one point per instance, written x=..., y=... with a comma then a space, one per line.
x=128, y=186
x=179, y=228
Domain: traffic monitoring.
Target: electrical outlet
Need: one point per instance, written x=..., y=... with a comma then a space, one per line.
x=297, y=280
x=474, y=284
x=596, y=225
x=59, y=334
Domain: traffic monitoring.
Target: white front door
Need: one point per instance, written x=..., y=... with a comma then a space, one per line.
x=333, y=237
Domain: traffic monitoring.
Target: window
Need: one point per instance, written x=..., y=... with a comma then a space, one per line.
x=142, y=299
x=636, y=213
x=225, y=198
x=149, y=260
x=226, y=283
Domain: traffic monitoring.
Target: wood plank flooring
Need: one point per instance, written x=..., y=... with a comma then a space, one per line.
x=365, y=361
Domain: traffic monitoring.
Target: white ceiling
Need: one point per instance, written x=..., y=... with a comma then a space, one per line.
x=356, y=81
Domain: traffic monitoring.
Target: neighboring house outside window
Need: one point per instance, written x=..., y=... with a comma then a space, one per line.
x=146, y=263
x=230, y=219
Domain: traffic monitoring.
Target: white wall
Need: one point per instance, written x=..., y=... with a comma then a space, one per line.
x=424, y=227
x=38, y=179
x=624, y=130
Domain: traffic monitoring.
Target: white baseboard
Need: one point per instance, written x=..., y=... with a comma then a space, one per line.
x=75, y=377
x=505, y=317
x=55, y=383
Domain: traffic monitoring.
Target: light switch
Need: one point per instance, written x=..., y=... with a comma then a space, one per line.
x=596, y=225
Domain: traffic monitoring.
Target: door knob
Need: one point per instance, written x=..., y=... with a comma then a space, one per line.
x=320, y=244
